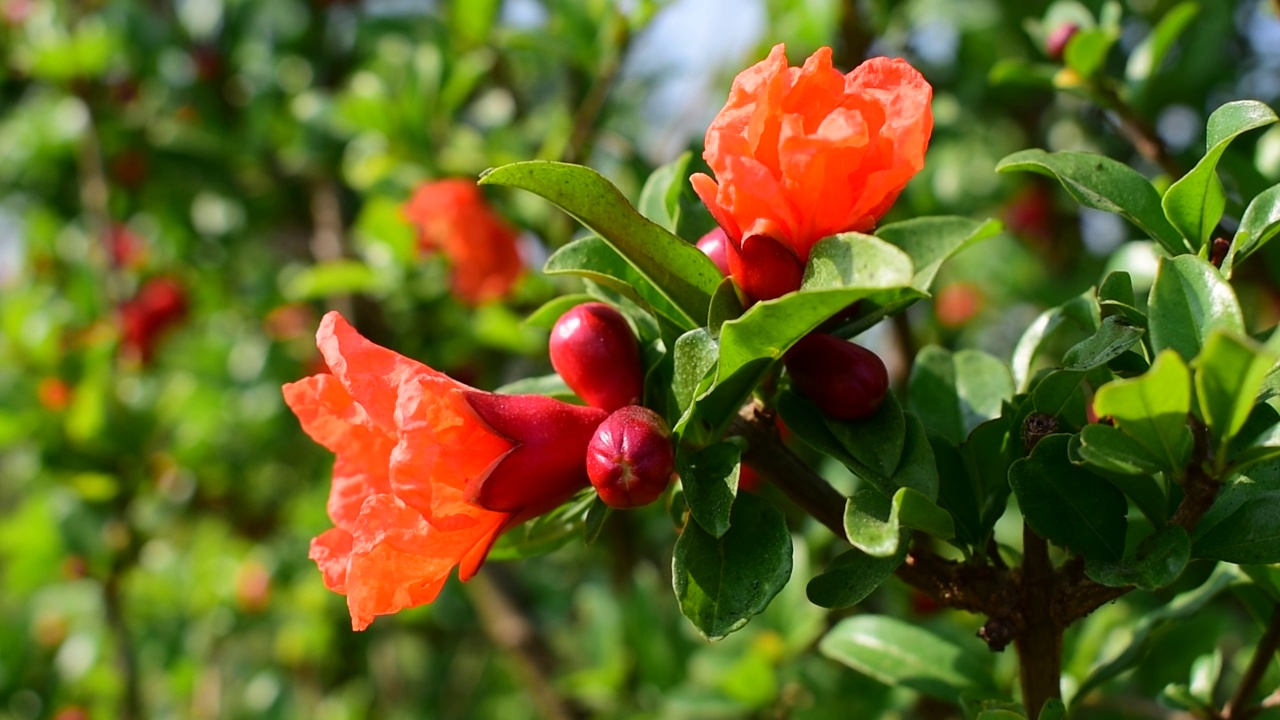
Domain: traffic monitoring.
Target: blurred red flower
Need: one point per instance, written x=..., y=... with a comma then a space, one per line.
x=125, y=247
x=161, y=304
x=453, y=217
x=429, y=472
x=803, y=153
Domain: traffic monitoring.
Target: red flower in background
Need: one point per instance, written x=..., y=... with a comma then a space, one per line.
x=800, y=154
x=125, y=247
x=452, y=216
x=429, y=472
x=161, y=304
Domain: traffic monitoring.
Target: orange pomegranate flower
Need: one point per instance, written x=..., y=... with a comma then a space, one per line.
x=452, y=216
x=429, y=472
x=803, y=153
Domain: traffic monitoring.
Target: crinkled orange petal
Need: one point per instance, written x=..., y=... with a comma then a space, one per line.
x=331, y=550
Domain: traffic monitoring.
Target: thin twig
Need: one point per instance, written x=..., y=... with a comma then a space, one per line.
x=1039, y=642
x=586, y=117
x=1136, y=129
x=509, y=629
x=131, y=704
x=1239, y=707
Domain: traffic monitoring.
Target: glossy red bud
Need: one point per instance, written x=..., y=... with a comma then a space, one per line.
x=545, y=465
x=847, y=381
x=630, y=458
x=594, y=350
x=715, y=246
x=1056, y=43
x=763, y=268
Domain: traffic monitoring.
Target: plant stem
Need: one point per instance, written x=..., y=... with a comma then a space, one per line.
x=1239, y=706
x=1039, y=642
x=1136, y=130
x=131, y=704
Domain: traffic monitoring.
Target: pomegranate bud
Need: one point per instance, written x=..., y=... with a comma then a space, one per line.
x=764, y=268
x=593, y=349
x=630, y=459
x=1056, y=44
x=847, y=381
x=714, y=245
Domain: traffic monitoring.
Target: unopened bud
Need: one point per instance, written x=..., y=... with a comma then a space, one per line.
x=630, y=459
x=594, y=350
x=846, y=381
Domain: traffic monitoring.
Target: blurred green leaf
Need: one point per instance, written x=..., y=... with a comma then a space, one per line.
x=331, y=278
x=675, y=268
x=1260, y=223
x=1189, y=301
x=722, y=582
x=930, y=241
x=1068, y=505
x=1194, y=203
x=1101, y=183
x=1145, y=59
x=1087, y=50
x=660, y=197
x=896, y=652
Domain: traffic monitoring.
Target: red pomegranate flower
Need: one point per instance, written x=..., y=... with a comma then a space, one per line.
x=429, y=472
x=452, y=216
x=160, y=305
x=803, y=153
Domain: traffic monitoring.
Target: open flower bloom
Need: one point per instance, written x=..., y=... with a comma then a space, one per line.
x=429, y=472
x=452, y=216
x=800, y=154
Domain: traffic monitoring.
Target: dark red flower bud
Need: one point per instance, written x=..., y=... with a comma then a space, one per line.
x=630, y=459
x=593, y=349
x=544, y=467
x=847, y=381
x=763, y=268
x=1056, y=43
x=714, y=245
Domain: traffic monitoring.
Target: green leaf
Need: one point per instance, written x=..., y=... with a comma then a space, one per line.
x=721, y=583
x=851, y=577
x=1104, y=184
x=1053, y=709
x=1189, y=300
x=1248, y=536
x=1194, y=203
x=954, y=393
x=1113, y=339
x=1068, y=505
x=1082, y=310
x=330, y=278
x=878, y=525
x=677, y=269
x=1125, y=464
x=1144, y=633
x=973, y=480
x=1146, y=57
x=1018, y=71
x=898, y=653
x=596, y=260
x=1228, y=375
x=1260, y=223
x=725, y=306
x=1116, y=299
x=876, y=442
x=546, y=316
x=695, y=356
x=1152, y=409
x=1159, y=561
x=660, y=197
x=546, y=533
x=1087, y=50
x=710, y=481
x=550, y=385
x=930, y=241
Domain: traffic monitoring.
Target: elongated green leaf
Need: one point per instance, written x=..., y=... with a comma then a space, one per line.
x=695, y=356
x=896, y=652
x=1068, y=505
x=1159, y=561
x=1146, y=58
x=335, y=277
x=1113, y=339
x=546, y=316
x=660, y=196
x=1228, y=375
x=1194, y=203
x=1125, y=464
x=929, y=241
x=1087, y=50
x=1189, y=301
x=596, y=260
x=1260, y=223
x=851, y=577
x=1083, y=311
x=1152, y=409
x=1251, y=534
x=722, y=582
x=954, y=393
x=1103, y=184
x=675, y=268
x=710, y=481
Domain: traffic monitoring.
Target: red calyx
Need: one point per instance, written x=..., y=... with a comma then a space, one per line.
x=593, y=349
x=1056, y=43
x=715, y=246
x=545, y=467
x=630, y=458
x=846, y=381
x=763, y=268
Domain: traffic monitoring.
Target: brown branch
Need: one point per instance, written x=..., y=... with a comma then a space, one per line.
x=1136, y=129
x=1039, y=641
x=1239, y=707
x=510, y=630
x=587, y=115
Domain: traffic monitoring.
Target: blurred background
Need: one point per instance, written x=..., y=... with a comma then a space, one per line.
x=187, y=185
